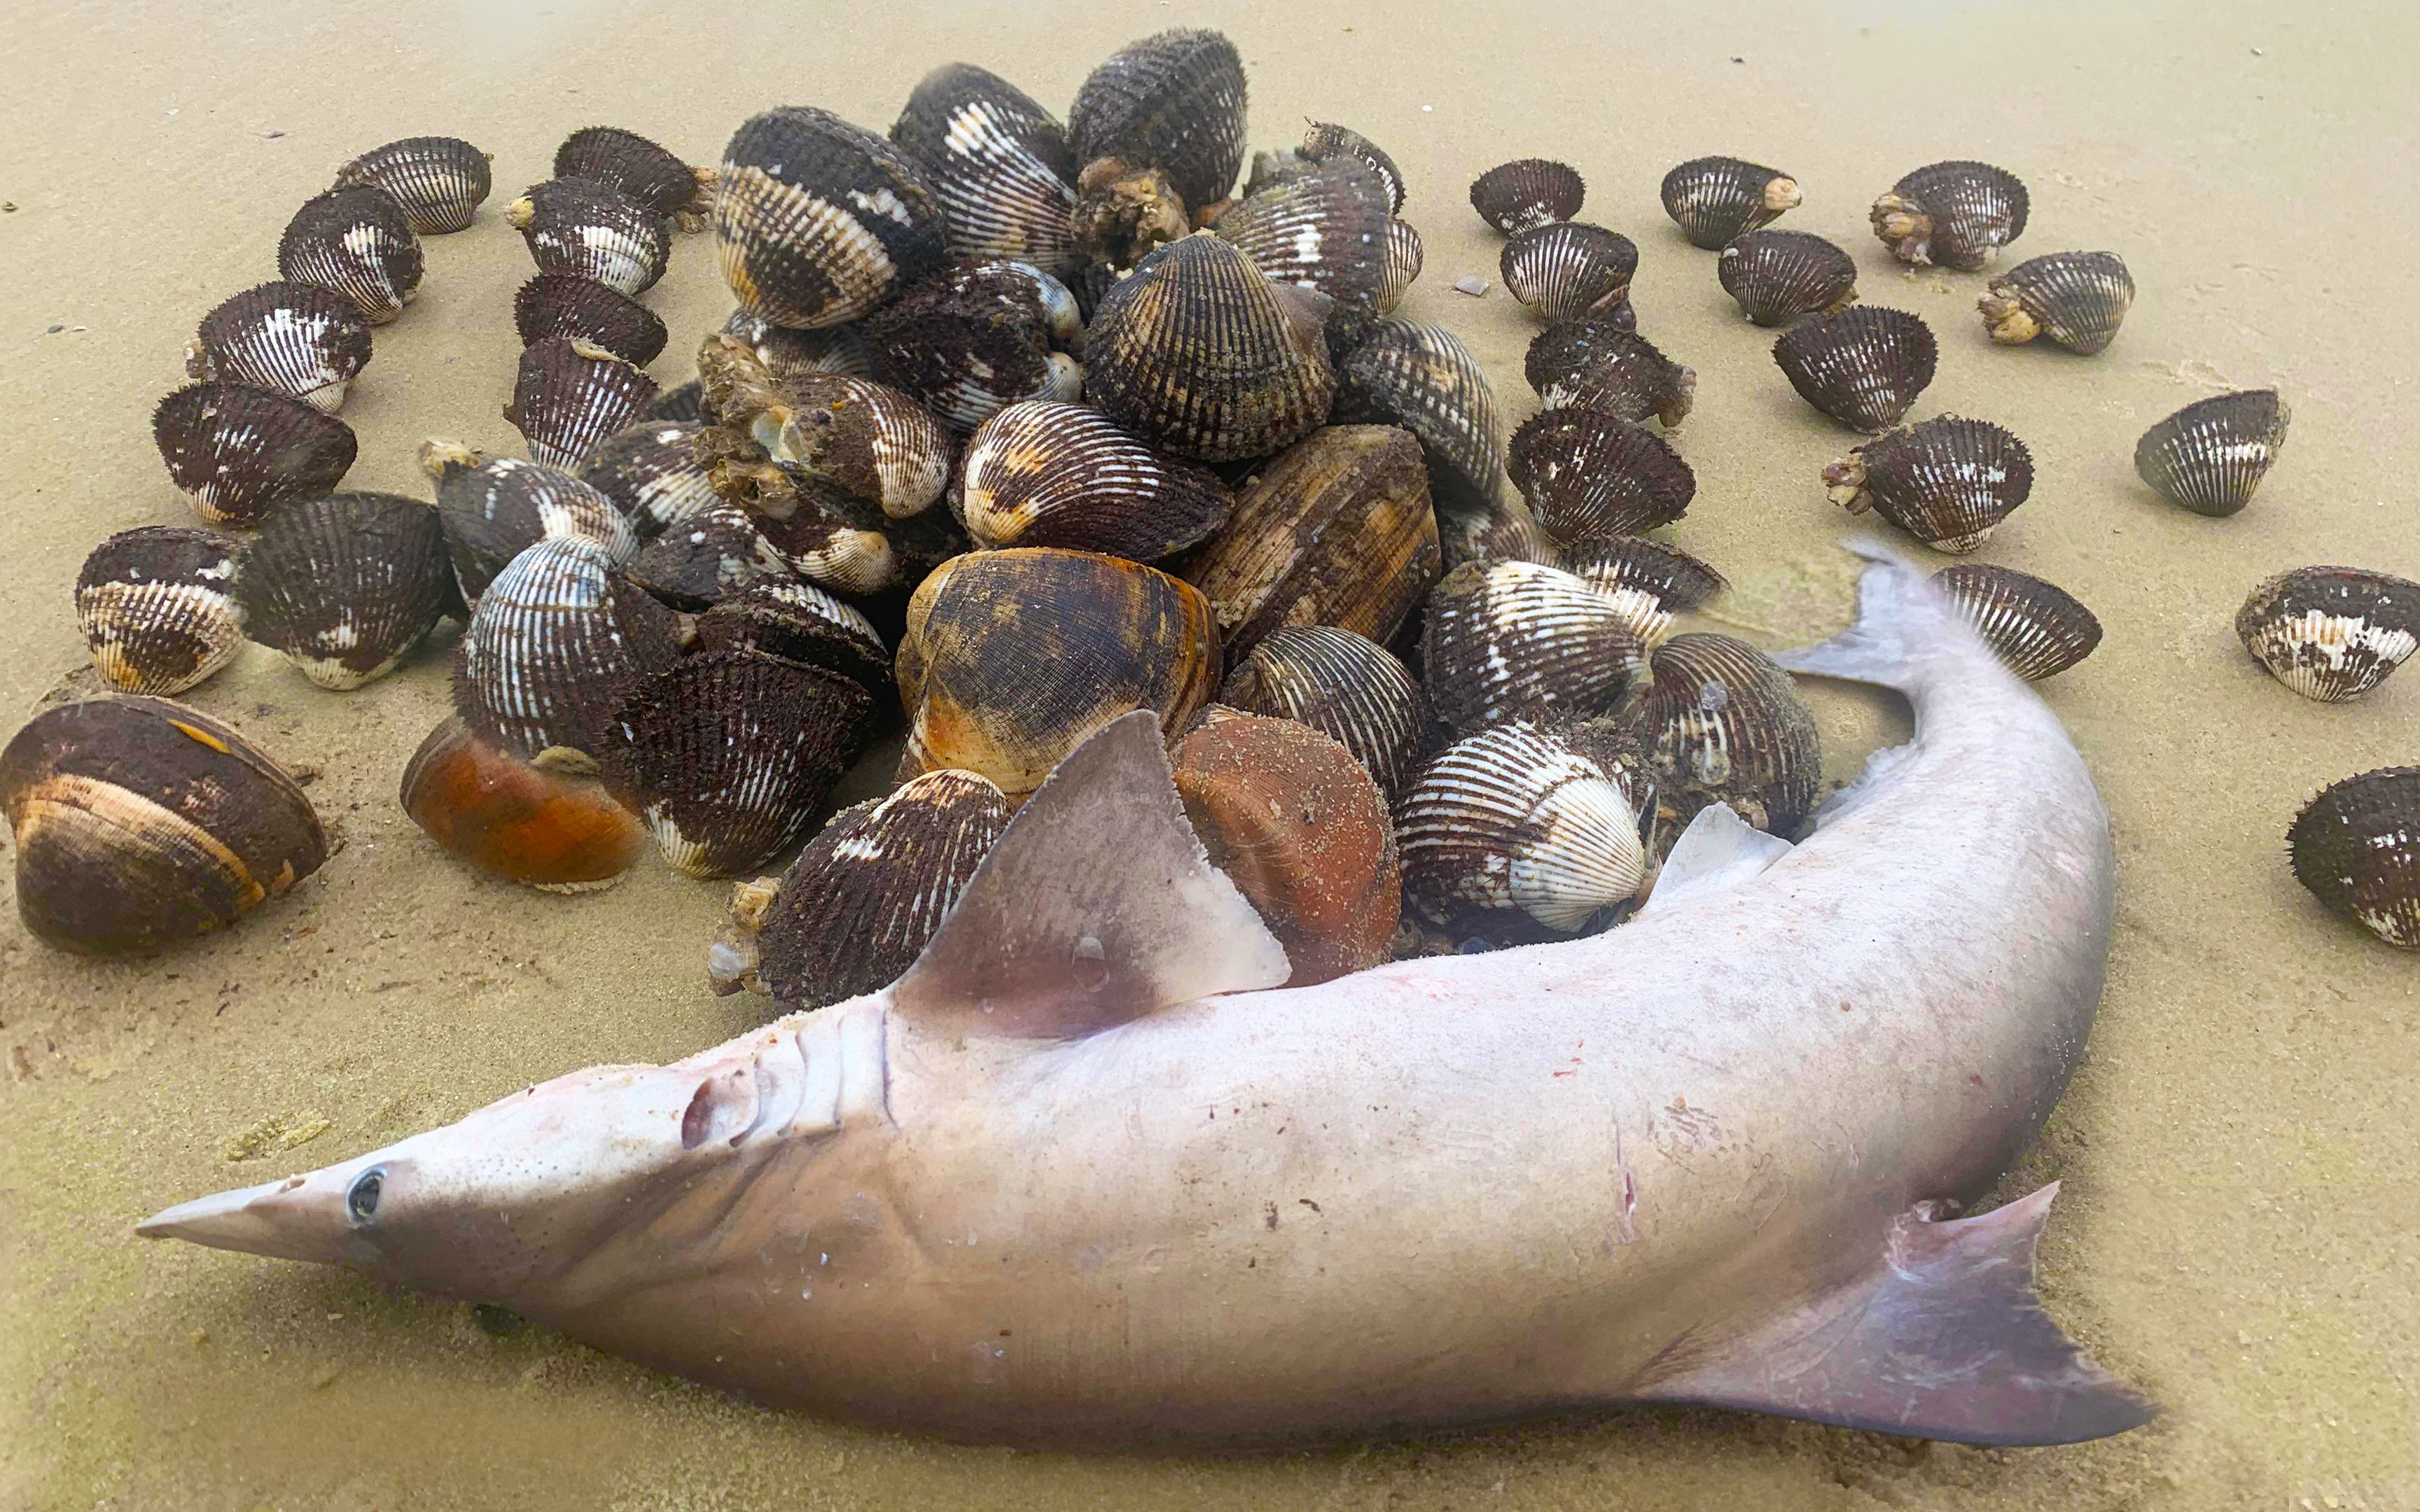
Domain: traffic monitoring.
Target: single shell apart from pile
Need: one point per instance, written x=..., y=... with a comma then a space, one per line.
x=1346, y=686
x=1946, y=481
x=1528, y=191
x=2211, y=455
x=1715, y=199
x=300, y=340
x=547, y=824
x=2037, y=628
x=1777, y=276
x=1514, y=821
x=1595, y=364
x=818, y=222
x=437, y=180
x=2357, y=847
x=1043, y=474
x=2332, y=633
x=1958, y=214
x=240, y=453
x=1568, y=269
x=1863, y=367
x=1507, y=640
x=357, y=241
x=158, y=608
x=346, y=585
x=1725, y=724
x=2076, y=299
x=1589, y=475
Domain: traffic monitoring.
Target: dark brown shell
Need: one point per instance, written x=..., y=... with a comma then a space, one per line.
x=569, y=396
x=1324, y=230
x=346, y=585
x=1507, y=640
x=1404, y=259
x=2331, y=633
x=818, y=222
x=649, y=175
x=1346, y=686
x=1326, y=141
x=2211, y=455
x=2357, y=847
x=678, y=402
x=998, y=163
x=798, y=622
x=158, y=608
x=773, y=440
x=240, y=453
x=1726, y=724
x=140, y=823
x=868, y=893
x=2037, y=628
x=579, y=225
x=1173, y=101
x=437, y=180
x=713, y=554
x=1646, y=580
x=582, y=309
x=1589, y=475
x=1203, y=357
x=548, y=824
x=357, y=241
x=1946, y=480
x=300, y=340
x=1528, y=191
x=1513, y=820
x=849, y=545
x=1863, y=367
x=1715, y=199
x=1777, y=276
x=1597, y=365
x=1423, y=379
x=1504, y=531
x=1040, y=473
x=976, y=337
x=556, y=642
x=650, y=470
x=1958, y=214
x=2076, y=299
x=1569, y=270
x=494, y=508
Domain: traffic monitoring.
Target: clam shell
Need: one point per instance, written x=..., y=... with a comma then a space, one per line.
x=773, y=438
x=1515, y=196
x=1589, y=475
x=570, y=395
x=579, y=225
x=713, y=554
x=680, y=403
x=979, y=337
x=2357, y=847
x=158, y=609
x=800, y=623
x=1041, y=473
x=1515, y=640
x=1646, y=580
x=1173, y=101
x=1325, y=230
x=1715, y=199
x=1863, y=367
x=2211, y=455
x=357, y=241
x=1338, y=530
x=494, y=508
x=860, y=902
x=1777, y=276
x=1504, y=531
x=240, y=453
x=1513, y=819
x=300, y=340
x=850, y=546
x=1326, y=141
x=1298, y=826
x=1957, y=214
x=1726, y=724
x=1201, y=356
x=437, y=180
x=649, y=175
x=582, y=309
x=651, y=471
x=818, y=222
x=1595, y=363
x=1568, y=269
x=140, y=823
x=1423, y=379
x=1346, y=686
x=346, y=585
x=727, y=756
x=2331, y=633
x=787, y=353
x=1946, y=481
x=2076, y=299
x=1012, y=658
x=1123, y=211
x=542, y=823
x=1272, y=167
x=2037, y=628
x=556, y=642
x=998, y=163
x=1404, y=258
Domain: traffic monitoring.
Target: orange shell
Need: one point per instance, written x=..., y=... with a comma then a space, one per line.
x=528, y=823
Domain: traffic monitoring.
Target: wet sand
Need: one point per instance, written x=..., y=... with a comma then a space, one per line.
x=2238, y=1156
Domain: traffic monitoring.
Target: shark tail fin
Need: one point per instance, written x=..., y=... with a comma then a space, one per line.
x=1898, y=615
x=1944, y=1338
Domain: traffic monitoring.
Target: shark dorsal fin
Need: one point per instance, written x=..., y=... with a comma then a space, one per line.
x=1096, y=907
x=1719, y=851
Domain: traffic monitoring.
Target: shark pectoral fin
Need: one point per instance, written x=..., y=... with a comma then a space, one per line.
x=1097, y=906
x=1719, y=850
x=1945, y=1338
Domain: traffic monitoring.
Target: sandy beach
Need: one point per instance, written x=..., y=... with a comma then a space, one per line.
x=2236, y=1229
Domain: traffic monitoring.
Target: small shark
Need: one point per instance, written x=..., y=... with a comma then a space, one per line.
x=1086, y=1175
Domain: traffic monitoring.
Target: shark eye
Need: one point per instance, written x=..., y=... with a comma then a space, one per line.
x=362, y=1197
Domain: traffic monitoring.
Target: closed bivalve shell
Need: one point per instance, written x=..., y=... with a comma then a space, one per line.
x=557, y=642
x=1569, y=270
x=1346, y=686
x=1958, y=214
x=346, y=585
x=569, y=396
x=493, y=508
x=2037, y=628
x=300, y=340
x=1777, y=276
x=2331, y=633
x=158, y=608
x=1712, y=200
x=649, y=175
x=548, y=824
x=1529, y=191
x=437, y=180
x=579, y=225
x=1513, y=820
x=1515, y=640
x=240, y=453
x=1946, y=481
x=2356, y=846
x=580, y=307
x=998, y=163
x=1325, y=230
x=2076, y=299
x=1863, y=367
x=1173, y=101
x=650, y=470
x=1727, y=725
x=1594, y=363
x=818, y=222
x=1589, y=475
x=2211, y=454
x=1041, y=473
x=357, y=241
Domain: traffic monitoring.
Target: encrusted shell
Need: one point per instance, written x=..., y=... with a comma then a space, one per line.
x=1173, y=101
x=158, y=608
x=1715, y=199
x=300, y=340
x=1863, y=367
x=494, y=508
x=1012, y=658
x=569, y=396
x=1726, y=724
x=787, y=354
x=346, y=585
x=1958, y=214
x=2357, y=847
x=649, y=175
x=548, y=824
x=1595, y=363
x=1423, y=379
x=2076, y=299
x=140, y=823
x=998, y=163
x=357, y=241
x=1201, y=356
x=1513, y=820
x=1297, y=823
x=1041, y=473
x=1326, y=141
x=818, y=222
x=773, y=438
x=437, y=180
x=978, y=336
x=1570, y=270
x=2211, y=455
x=1503, y=531
x=1513, y=196
x=240, y=453
x=868, y=893
x=1646, y=580
x=1404, y=259
x=2332, y=633
x=1589, y=475
x=1324, y=230
x=1777, y=276
x=711, y=555
x=650, y=470
x=1346, y=686
x=1511, y=640
x=798, y=622
x=579, y=225
x=2037, y=628
x=556, y=642
x=1946, y=480
x=582, y=309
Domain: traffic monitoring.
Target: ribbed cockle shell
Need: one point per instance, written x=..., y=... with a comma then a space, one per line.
x=1594, y=363
x=1513, y=820
x=1958, y=214
x=1324, y=230
x=1713, y=199
x=494, y=508
x=556, y=643
x=1173, y=101
x=346, y=585
x=801, y=622
x=998, y=163
x=2037, y=628
x=1422, y=378
x=357, y=241
x=580, y=307
x=818, y=222
x=1777, y=276
x=1041, y=473
x=158, y=608
x=1346, y=686
x=649, y=175
x=569, y=396
x=240, y=453
x=1863, y=367
x=1646, y=581
x=1946, y=480
x=2211, y=456
x=1589, y=475
x=2357, y=847
x=1326, y=141
x=1507, y=640
x=650, y=470
x=2076, y=299
x=437, y=180
x=2332, y=633
x=1726, y=724
x=774, y=439
x=579, y=225
x=300, y=340
x=978, y=336
x=1528, y=191
x=1569, y=270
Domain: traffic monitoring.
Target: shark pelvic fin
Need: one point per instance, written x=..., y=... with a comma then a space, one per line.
x=1895, y=609
x=1944, y=1338
x=1096, y=907
x=1719, y=851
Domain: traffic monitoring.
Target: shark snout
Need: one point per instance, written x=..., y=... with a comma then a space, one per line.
x=299, y=1218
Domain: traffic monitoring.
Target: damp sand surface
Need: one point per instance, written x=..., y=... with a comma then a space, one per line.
x=2234, y=1230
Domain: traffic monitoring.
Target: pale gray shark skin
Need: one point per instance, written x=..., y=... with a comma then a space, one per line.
x=1080, y=1178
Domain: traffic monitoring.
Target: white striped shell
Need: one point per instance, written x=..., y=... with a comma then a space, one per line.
x=998, y=163
x=569, y=396
x=157, y=608
x=300, y=340
x=651, y=470
x=1513, y=819
x=2331, y=633
x=578, y=225
x=357, y=241
x=1404, y=258
x=556, y=642
x=494, y=508
x=1508, y=640
x=1344, y=685
x=818, y=222
x=1042, y=474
